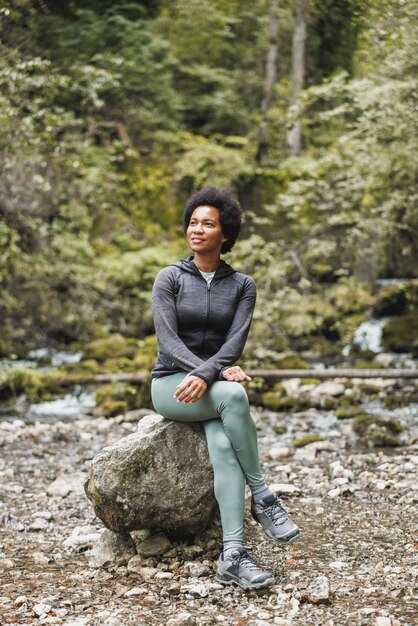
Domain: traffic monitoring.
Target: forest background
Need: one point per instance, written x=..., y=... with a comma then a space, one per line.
x=113, y=112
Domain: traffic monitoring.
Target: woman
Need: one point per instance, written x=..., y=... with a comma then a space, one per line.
x=202, y=313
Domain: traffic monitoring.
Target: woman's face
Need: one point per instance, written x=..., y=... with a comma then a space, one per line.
x=204, y=233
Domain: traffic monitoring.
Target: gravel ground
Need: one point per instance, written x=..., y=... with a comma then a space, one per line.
x=356, y=562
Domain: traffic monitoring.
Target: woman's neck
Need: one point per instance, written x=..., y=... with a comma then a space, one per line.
x=205, y=264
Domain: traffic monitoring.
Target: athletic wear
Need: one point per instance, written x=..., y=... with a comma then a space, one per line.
x=275, y=521
x=232, y=441
x=240, y=569
x=201, y=328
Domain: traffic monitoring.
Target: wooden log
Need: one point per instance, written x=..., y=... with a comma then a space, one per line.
x=334, y=373
x=276, y=374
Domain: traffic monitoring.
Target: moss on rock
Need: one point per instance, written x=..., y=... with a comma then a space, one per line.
x=110, y=408
x=291, y=361
x=35, y=385
x=396, y=299
x=306, y=439
x=271, y=400
x=115, y=398
x=396, y=400
x=376, y=430
x=346, y=412
x=400, y=333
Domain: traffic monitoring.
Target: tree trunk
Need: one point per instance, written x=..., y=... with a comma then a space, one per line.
x=270, y=80
x=298, y=71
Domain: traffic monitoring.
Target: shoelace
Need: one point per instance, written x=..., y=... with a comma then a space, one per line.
x=276, y=512
x=245, y=560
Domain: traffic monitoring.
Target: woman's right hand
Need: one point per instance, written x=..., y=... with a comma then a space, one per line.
x=191, y=389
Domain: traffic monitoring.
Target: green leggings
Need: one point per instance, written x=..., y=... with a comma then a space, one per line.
x=232, y=441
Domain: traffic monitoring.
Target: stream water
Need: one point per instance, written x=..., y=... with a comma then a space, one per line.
x=70, y=406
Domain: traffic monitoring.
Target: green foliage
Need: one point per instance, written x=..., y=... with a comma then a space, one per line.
x=113, y=112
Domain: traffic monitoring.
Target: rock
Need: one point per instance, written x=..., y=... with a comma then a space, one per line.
x=160, y=476
x=64, y=485
x=82, y=537
x=136, y=414
x=280, y=453
x=290, y=386
x=195, y=589
x=164, y=576
x=380, y=436
x=152, y=546
x=41, y=609
x=300, y=442
x=382, y=621
x=306, y=453
x=385, y=359
x=182, y=619
x=334, y=493
x=47, y=515
x=284, y=488
x=135, y=591
x=138, y=536
x=329, y=388
x=319, y=590
x=147, y=573
x=40, y=558
x=135, y=564
x=112, y=548
x=374, y=385
x=336, y=469
x=191, y=552
x=196, y=569
x=39, y=524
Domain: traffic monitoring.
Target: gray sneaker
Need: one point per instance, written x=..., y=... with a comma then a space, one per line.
x=240, y=569
x=275, y=521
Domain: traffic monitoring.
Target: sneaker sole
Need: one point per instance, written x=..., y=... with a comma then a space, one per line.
x=234, y=581
x=283, y=541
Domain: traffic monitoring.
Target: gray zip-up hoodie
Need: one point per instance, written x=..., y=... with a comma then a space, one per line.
x=201, y=328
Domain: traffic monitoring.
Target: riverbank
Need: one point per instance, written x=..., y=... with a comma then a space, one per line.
x=356, y=507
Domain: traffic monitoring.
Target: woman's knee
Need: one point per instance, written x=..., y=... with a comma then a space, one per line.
x=234, y=394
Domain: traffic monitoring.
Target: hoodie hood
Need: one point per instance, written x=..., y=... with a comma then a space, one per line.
x=187, y=265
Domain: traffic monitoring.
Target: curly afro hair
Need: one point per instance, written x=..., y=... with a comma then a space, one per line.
x=230, y=212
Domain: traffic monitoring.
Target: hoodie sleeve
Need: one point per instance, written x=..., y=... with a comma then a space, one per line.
x=235, y=339
x=165, y=322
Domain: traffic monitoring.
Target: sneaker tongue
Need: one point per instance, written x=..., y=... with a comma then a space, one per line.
x=268, y=500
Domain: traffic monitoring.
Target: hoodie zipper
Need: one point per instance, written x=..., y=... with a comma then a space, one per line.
x=208, y=292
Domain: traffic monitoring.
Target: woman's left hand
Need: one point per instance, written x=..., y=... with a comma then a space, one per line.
x=191, y=389
x=236, y=374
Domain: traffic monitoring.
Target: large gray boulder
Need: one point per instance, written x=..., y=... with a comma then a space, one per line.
x=158, y=477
